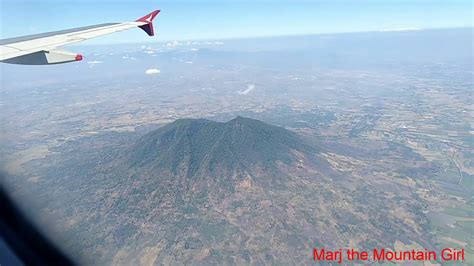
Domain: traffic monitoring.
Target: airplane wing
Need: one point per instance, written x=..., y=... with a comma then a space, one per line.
x=42, y=49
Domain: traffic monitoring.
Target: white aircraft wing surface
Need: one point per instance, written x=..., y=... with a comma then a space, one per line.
x=42, y=49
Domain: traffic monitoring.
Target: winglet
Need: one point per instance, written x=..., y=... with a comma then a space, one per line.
x=148, y=28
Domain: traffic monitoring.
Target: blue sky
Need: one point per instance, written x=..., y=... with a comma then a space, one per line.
x=212, y=19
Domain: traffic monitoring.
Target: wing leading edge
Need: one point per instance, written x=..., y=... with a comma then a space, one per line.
x=41, y=49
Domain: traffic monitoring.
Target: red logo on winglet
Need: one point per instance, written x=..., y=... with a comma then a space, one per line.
x=150, y=17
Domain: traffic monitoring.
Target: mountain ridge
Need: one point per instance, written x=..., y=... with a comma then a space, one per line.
x=196, y=147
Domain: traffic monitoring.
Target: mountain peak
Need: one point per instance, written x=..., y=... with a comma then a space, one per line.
x=240, y=119
x=200, y=147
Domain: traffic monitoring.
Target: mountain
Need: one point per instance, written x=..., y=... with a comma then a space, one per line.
x=196, y=148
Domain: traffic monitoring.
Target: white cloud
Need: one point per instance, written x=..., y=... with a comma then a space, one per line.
x=128, y=57
x=152, y=71
x=250, y=88
x=173, y=44
x=177, y=44
x=95, y=62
